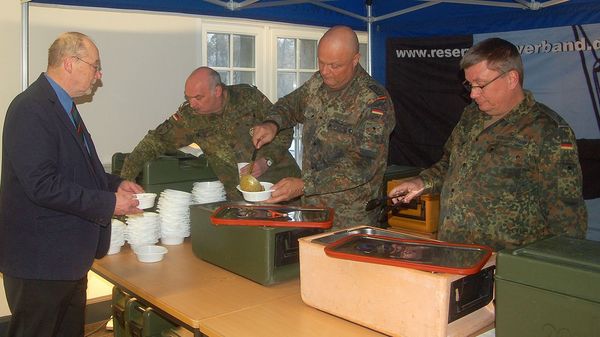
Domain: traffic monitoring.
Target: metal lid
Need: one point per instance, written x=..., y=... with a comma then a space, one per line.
x=273, y=216
x=417, y=254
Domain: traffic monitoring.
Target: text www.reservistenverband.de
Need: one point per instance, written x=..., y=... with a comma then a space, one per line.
x=542, y=47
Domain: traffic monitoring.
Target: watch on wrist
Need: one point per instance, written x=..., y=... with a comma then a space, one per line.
x=269, y=162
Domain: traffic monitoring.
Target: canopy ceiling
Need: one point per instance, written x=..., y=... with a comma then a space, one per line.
x=412, y=17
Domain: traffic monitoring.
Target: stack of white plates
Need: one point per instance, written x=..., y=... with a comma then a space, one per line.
x=117, y=236
x=142, y=229
x=208, y=191
x=174, y=209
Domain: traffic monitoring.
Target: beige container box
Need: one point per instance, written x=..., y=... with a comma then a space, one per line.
x=394, y=300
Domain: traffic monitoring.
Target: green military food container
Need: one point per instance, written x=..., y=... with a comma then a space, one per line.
x=262, y=249
x=143, y=321
x=549, y=288
x=119, y=300
x=178, y=172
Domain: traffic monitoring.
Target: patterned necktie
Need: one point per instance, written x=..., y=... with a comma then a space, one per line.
x=78, y=124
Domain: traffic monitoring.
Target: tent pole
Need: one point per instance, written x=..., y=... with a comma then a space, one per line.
x=24, y=44
x=369, y=4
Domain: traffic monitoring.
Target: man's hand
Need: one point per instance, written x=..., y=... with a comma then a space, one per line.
x=126, y=203
x=260, y=167
x=407, y=190
x=263, y=134
x=286, y=189
x=130, y=186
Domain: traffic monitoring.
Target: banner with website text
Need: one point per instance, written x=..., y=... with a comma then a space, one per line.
x=562, y=67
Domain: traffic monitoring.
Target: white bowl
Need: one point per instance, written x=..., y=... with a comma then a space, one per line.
x=146, y=200
x=257, y=196
x=150, y=253
x=171, y=240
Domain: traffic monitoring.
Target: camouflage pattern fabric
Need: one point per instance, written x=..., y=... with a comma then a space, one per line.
x=223, y=137
x=513, y=183
x=345, y=143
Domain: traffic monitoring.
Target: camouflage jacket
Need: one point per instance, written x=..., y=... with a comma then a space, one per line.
x=512, y=183
x=345, y=143
x=223, y=137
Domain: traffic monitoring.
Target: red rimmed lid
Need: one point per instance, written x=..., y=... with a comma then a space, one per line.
x=424, y=255
x=273, y=216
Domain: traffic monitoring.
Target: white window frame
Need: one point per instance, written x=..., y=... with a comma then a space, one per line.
x=237, y=28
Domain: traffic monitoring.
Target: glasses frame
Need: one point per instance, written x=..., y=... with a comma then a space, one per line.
x=98, y=68
x=471, y=87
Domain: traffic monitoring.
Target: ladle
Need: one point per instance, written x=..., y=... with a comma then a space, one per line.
x=247, y=182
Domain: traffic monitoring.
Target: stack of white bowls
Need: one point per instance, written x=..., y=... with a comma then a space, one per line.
x=208, y=191
x=142, y=229
x=117, y=236
x=174, y=209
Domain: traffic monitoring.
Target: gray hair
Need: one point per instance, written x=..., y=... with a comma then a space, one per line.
x=66, y=45
x=500, y=54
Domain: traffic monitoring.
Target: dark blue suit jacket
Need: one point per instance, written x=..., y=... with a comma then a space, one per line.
x=56, y=201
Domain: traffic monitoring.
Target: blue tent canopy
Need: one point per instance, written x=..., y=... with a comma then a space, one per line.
x=382, y=18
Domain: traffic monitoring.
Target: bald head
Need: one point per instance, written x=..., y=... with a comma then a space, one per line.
x=204, y=91
x=340, y=37
x=338, y=56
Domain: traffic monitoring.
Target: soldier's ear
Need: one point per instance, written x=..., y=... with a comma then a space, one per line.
x=218, y=90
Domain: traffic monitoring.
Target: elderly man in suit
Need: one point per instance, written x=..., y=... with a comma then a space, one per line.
x=56, y=201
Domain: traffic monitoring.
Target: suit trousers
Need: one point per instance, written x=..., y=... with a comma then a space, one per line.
x=45, y=308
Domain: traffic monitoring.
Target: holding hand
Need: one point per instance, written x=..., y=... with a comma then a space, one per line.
x=407, y=190
x=263, y=134
x=130, y=186
x=126, y=201
x=286, y=189
x=260, y=167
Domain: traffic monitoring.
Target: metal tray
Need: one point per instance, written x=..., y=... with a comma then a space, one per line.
x=273, y=216
x=325, y=240
x=424, y=255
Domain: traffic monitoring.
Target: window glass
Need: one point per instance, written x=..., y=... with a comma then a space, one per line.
x=224, y=76
x=286, y=83
x=286, y=53
x=232, y=56
x=243, y=77
x=218, y=50
x=243, y=51
x=307, y=53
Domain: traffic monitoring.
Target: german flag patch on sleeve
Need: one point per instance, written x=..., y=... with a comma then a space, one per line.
x=176, y=116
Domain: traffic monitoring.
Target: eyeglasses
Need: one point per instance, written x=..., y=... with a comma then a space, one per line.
x=471, y=87
x=98, y=68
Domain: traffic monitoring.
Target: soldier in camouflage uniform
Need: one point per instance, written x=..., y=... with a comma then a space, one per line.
x=218, y=118
x=510, y=172
x=347, y=118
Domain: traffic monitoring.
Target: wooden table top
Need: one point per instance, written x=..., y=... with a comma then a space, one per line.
x=217, y=302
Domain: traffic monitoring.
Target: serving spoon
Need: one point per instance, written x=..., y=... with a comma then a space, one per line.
x=247, y=182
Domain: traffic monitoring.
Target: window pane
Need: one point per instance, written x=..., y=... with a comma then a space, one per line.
x=303, y=77
x=224, y=76
x=286, y=83
x=243, y=51
x=217, y=50
x=286, y=53
x=362, y=48
x=308, y=54
x=243, y=77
